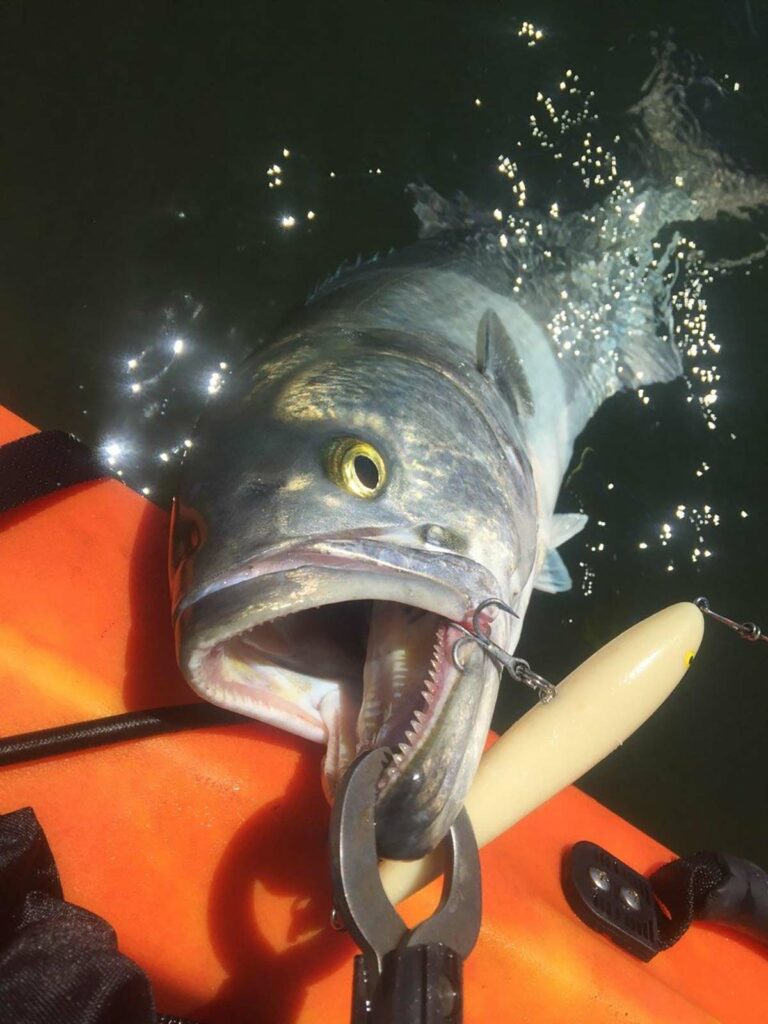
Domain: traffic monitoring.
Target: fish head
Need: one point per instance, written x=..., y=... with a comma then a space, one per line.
x=348, y=502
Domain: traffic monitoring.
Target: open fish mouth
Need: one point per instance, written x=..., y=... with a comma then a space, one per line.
x=349, y=643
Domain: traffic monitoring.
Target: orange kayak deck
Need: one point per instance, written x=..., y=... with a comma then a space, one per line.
x=206, y=850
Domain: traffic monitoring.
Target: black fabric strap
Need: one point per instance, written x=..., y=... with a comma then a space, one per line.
x=59, y=963
x=683, y=886
x=715, y=887
x=43, y=463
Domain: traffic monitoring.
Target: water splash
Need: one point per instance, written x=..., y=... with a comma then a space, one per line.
x=641, y=269
x=629, y=201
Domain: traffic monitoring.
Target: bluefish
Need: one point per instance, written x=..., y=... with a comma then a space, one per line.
x=392, y=459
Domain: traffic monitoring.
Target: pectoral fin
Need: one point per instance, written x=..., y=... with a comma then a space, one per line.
x=566, y=525
x=498, y=360
x=553, y=577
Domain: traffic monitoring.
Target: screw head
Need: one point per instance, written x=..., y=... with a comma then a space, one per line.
x=445, y=997
x=631, y=897
x=599, y=878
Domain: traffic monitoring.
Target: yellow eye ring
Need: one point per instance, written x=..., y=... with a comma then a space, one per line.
x=357, y=467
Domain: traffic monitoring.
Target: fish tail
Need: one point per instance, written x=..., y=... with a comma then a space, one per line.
x=703, y=179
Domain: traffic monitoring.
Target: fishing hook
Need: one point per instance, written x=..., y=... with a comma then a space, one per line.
x=746, y=630
x=518, y=668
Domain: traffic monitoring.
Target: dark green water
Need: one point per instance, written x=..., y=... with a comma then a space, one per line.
x=135, y=210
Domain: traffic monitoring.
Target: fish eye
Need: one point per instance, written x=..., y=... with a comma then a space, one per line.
x=357, y=467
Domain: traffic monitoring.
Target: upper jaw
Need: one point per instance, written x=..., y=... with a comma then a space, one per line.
x=279, y=582
x=457, y=584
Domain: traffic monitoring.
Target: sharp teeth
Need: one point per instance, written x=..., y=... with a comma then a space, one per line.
x=398, y=758
x=410, y=736
x=419, y=716
x=403, y=748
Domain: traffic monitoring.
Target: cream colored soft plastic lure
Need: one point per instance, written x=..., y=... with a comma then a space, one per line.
x=598, y=706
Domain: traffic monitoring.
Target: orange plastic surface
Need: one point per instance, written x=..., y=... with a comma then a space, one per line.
x=207, y=850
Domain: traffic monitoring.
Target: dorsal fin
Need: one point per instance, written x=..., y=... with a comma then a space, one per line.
x=439, y=216
x=497, y=359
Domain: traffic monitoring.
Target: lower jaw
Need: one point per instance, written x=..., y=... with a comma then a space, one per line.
x=417, y=808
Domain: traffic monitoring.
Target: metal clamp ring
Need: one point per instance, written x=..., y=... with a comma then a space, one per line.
x=525, y=674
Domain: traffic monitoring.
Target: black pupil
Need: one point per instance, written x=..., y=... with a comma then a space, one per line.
x=367, y=472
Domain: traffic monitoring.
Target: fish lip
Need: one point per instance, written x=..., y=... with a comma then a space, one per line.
x=297, y=577
x=464, y=583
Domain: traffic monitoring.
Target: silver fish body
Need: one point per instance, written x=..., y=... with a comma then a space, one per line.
x=393, y=458
x=328, y=611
